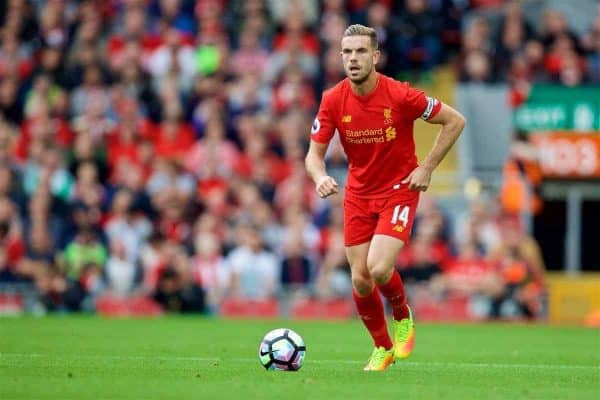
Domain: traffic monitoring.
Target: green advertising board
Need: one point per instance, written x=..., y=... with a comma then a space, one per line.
x=552, y=108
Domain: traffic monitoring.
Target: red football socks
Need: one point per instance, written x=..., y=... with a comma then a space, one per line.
x=370, y=310
x=394, y=292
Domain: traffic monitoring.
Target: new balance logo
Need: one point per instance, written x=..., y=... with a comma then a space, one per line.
x=347, y=118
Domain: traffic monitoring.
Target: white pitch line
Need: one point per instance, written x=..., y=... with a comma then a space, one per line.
x=252, y=360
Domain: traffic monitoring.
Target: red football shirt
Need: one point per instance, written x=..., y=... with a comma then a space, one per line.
x=376, y=131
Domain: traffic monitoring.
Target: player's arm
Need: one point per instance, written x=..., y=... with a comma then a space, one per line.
x=452, y=123
x=315, y=166
x=321, y=133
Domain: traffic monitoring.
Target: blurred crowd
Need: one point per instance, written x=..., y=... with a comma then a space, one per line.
x=155, y=148
x=506, y=46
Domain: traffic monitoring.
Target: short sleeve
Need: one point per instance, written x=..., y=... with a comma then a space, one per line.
x=417, y=105
x=323, y=126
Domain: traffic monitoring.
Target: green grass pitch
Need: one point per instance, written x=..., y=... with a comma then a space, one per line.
x=79, y=357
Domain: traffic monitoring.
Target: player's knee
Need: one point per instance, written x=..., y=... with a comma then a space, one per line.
x=362, y=285
x=381, y=273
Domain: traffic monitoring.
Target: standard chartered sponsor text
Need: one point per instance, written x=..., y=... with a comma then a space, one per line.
x=365, y=136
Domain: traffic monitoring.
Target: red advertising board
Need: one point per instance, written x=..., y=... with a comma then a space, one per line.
x=569, y=154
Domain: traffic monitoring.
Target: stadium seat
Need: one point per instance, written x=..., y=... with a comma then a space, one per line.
x=11, y=304
x=121, y=307
x=322, y=309
x=246, y=308
x=452, y=309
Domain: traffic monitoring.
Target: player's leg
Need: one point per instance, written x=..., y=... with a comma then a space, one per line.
x=370, y=308
x=359, y=225
x=381, y=262
x=395, y=222
x=366, y=297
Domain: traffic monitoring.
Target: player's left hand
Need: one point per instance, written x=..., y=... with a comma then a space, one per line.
x=418, y=179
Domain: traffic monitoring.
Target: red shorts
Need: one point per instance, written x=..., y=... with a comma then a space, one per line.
x=391, y=216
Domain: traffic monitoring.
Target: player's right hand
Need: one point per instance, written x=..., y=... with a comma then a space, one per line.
x=326, y=186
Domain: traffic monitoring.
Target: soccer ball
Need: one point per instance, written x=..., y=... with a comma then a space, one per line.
x=282, y=349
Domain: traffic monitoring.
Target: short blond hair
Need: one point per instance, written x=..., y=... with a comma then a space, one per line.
x=361, y=30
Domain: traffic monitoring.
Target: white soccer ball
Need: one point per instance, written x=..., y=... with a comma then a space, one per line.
x=282, y=349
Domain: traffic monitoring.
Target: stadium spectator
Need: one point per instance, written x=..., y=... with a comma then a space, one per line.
x=209, y=269
x=295, y=268
x=250, y=55
x=593, y=60
x=417, y=42
x=45, y=169
x=479, y=225
x=11, y=108
x=15, y=59
x=85, y=252
x=513, y=33
x=10, y=233
x=423, y=265
x=333, y=276
x=52, y=288
x=126, y=226
x=293, y=49
x=469, y=274
x=121, y=272
x=254, y=269
x=591, y=44
x=213, y=142
x=519, y=260
x=39, y=245
x=332, y=71
x=378, y=17
x=521, y=180
x=11, y=186
x=173, y=59
x=7, y=274
x=175, y=293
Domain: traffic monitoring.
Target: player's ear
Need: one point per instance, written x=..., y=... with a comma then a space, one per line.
x=376, y=55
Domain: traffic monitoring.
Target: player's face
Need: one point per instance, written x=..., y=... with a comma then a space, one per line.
x=359, y=57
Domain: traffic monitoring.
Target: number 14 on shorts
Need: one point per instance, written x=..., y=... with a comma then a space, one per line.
x=400, y=215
